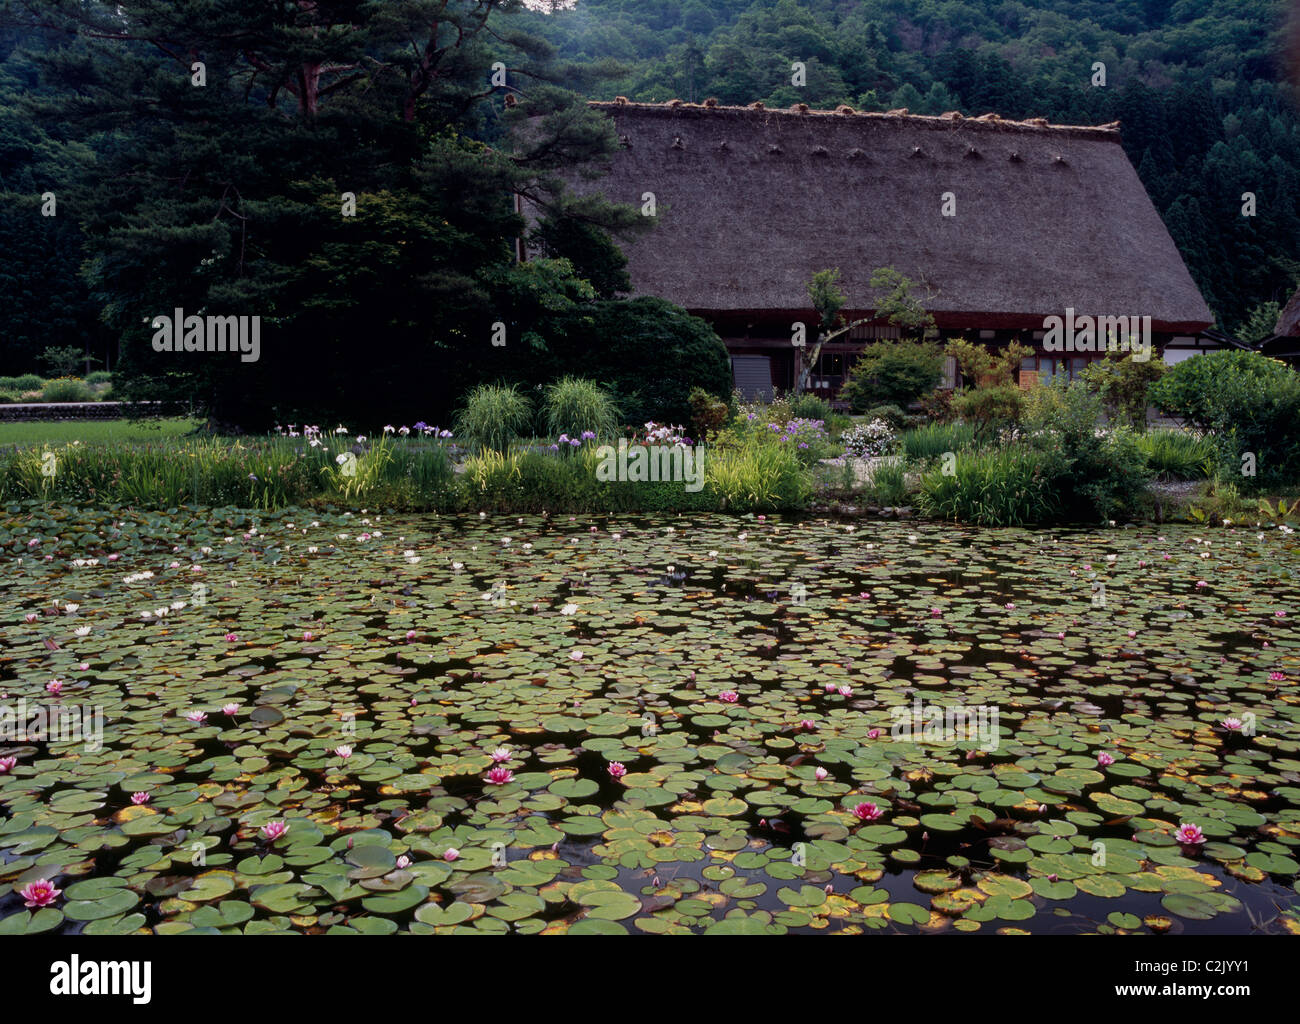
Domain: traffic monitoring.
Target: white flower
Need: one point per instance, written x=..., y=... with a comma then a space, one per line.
x=82, y=631
x=568, y=609
x=70, y=608
x=457, y=566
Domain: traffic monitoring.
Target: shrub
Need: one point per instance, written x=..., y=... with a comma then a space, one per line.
x=808, y=407
x=99, y=377
x=493, y=416
x=651, y=352
x=891, y=414
x=893, y=373
x=989, y=409
x=1098, y=474
x=575, y=406
x=868, y=439
x=66, y=389
x=935, y=439
x=756, y=478
x=709, y=414
x=1124, y=386
x=27, y=382
x=888, y=484
x=1178, y=455
x=1248, y=403
x=1004, y=487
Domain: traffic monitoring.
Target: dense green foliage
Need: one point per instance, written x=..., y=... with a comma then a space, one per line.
x=1178, y=455
x=493, y=416
x=1248, y=403
x=892, y=373
x=650, y=352
x=573, y=406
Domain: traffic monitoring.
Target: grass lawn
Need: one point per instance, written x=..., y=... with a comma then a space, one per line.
x=93, y=431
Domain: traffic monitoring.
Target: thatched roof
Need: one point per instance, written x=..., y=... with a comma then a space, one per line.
x=752, y=201
x=1288, y=324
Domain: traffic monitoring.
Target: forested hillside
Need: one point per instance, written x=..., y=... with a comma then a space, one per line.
x=1197, y=85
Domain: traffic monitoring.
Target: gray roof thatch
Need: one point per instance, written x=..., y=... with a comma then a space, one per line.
x=752, y=201
x=1288, y=324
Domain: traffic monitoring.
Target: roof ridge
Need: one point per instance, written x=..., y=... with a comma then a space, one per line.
x=901, y=116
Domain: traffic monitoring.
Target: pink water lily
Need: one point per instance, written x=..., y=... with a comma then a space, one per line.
x=54, y=686
x=451, y=854
x=273, y=830
x=40, y=893
x=403, y=861
x=1276, y=677
x=1104, y=759
x=501, y=754
x=7, y=764
x=196, y=716
x=1189, y=835
x=729, y=696
x=344, y=751
x=1232, y=724
x=232, y=638
x=846, y=691
x=873, y=734
x=411, y=634
x=808, y=725
x=821, y=774
x=1200, y=584
x=867, y=812
x=139, y=798
x=229, y=709
x=30, y=617
x=499, y=776
x=617, y=769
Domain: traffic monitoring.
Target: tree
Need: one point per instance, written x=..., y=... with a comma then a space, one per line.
x=898, y=307
x=341, y=171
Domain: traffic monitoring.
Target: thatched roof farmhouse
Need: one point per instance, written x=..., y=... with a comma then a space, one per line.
x=1285, y=343
x=751, y=202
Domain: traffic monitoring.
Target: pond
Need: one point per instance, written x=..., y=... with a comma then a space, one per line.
x=320, y=722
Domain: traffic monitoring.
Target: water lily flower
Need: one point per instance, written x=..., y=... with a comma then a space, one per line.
x=196, y=716
x=232, y=638
x=82, y=631
x=575, y=655
x=1104, y=759
x=308, y=635
x=1201, y=583
x=403, y=861
x=1010, y=606
x=229, y=709
x=7, y=764
x=344, y=751
x=1280, y=615
x=1276, y=677
x=568, y=609
x=1189, y=835
x=873, y=734
x=70, y=608
x=139, y=798
x=451, y=854
x=729, y=696
x=54, y=686
x=499, y=776
x=1232, y=724
x=808, y=725
x=411, y=634
x=273, y=830
x=31, y=617
x=40, y=893
x=867, y=812
x=616, y=769
x=501, y=754
x=821, y=774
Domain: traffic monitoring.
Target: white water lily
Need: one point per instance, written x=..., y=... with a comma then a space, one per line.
x=70, y=608
x=568, y=609
x=82, y=631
